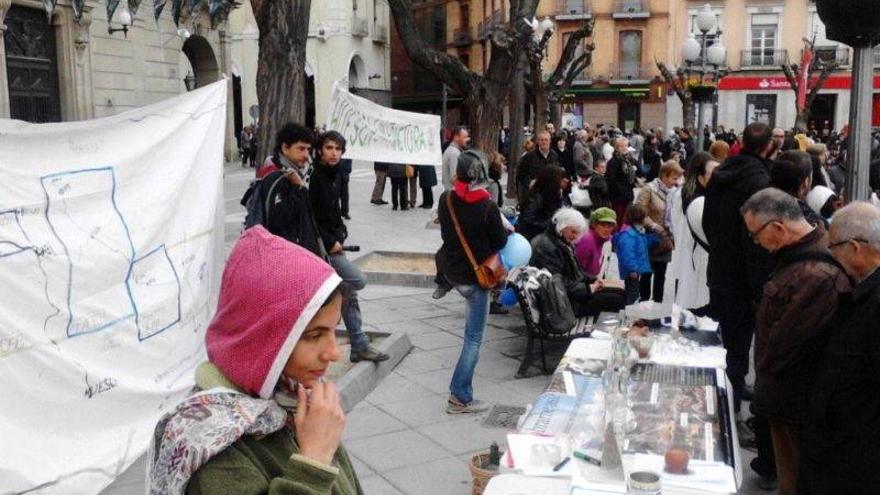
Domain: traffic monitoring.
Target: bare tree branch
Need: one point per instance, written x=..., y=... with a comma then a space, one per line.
x=678, y=84
x=789, y=70
x=826, y=70
x=568, y=52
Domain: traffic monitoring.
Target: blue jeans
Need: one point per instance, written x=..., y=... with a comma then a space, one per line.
x=475, y=322
x=352, y=281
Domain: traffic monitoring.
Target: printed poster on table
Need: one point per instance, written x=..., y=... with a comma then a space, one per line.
x=109, y=239
x=376, y=133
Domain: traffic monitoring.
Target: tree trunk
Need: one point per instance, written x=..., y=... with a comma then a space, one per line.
x=800, y=122
x=487, y=112
x=555, y=112
x=284, y=28
x=689, y=115
x=517, y=121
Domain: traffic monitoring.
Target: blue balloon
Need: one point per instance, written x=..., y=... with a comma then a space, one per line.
x=517, y=252
x=507, y=297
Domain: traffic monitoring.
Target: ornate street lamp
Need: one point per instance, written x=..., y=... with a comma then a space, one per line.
x=854, y=22
x=124, y=18
x=710, y=59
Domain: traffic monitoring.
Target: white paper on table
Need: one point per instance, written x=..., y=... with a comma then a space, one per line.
x=588, y=348
x=709, y=477
x=706, y=324
x=702, y=357
x=588, y=479
x=520, y=448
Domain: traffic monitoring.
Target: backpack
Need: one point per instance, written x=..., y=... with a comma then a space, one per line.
x=257, y=206
x=557, y=315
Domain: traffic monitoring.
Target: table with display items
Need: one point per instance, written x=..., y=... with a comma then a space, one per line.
x=565, y=445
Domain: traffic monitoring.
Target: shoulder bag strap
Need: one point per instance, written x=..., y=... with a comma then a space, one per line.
x=699, y=241
x=464, y=243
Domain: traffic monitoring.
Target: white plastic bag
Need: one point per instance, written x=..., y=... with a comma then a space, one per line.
x=580, y=198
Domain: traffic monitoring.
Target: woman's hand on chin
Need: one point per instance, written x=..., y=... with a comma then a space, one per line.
x=319, y=422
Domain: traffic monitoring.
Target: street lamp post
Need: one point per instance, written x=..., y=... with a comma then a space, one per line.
x=710, y=59
x=854, y=22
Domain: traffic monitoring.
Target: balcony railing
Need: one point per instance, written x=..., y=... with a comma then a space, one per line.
x=462, y=37
x=380, y=32
x=359, y=27
x=631, y=9
x=584, y=78
x=839, y=54
x=573, y=9
x=763, y=57
x=631, y=73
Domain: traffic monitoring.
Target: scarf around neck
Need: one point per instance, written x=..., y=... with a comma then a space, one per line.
x=204, y=425
x=463, y=191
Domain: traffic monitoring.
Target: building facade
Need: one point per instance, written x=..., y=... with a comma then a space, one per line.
x=58, y=69
x=347, y=44
x=760, y=35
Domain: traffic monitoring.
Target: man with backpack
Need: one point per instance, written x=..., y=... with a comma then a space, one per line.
x=793, y=320
x=281, y=202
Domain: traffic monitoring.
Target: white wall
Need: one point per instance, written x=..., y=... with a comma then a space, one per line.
x=329, y=51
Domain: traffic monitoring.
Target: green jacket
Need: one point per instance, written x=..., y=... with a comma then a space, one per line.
x=271, y=465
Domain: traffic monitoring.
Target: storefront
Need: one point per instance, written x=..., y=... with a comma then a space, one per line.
x=769, y=99
x=627, y=107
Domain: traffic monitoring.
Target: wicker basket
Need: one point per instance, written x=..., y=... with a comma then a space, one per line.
x=481, y=476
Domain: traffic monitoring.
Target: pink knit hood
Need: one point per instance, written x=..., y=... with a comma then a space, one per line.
x=271, y=290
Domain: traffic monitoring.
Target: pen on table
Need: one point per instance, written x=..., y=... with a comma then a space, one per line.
x=584, y=457
x=561, y=464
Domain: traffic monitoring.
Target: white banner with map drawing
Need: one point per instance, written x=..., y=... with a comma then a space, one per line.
x=109, y=261
x=376, y=133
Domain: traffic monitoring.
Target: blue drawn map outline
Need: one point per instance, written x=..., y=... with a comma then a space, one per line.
x=179, y=290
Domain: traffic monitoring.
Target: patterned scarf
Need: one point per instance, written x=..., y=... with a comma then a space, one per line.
x=201, y=427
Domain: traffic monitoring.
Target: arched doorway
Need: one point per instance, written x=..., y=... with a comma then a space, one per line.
x=201, y=58
x=356, y=73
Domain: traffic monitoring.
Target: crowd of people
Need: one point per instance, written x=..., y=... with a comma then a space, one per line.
x=753, y=227
x=757, y=237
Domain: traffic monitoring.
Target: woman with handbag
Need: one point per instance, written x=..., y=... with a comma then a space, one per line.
x=653, y=199
x=472, y=233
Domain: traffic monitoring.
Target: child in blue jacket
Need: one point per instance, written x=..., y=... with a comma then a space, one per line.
x=632, y=245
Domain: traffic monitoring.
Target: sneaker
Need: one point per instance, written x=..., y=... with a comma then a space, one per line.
x=497, y=309
x=455, y=406
x=368, y=354
x=440, y=292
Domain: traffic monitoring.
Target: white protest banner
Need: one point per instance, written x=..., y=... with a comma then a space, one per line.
x=110, y=244
x=376, y=133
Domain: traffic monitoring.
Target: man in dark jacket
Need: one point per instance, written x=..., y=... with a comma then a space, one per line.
x=532, y=162
x=324, y=195
x=794, y=320
x=281, y=198
x=621, y=175
x=841, y=449
x=735, y=288
x=737, y=267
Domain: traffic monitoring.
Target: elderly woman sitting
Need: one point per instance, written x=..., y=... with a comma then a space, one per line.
x=553, y=251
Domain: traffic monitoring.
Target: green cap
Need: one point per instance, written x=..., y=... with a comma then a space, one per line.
x=603, y=215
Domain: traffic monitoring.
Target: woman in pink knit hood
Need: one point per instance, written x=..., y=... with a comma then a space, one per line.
x=264, y=420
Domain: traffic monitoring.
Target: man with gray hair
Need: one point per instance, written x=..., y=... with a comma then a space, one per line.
x=793, y=320
x=842, y=439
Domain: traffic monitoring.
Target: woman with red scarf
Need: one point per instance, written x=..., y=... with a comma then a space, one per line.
x=482, y=229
